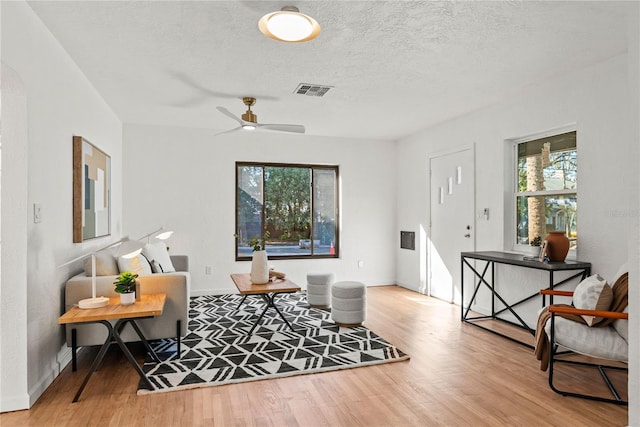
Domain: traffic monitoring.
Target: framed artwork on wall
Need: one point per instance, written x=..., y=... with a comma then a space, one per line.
x=91, y=191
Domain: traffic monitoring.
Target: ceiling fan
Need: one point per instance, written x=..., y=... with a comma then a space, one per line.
x=249, y=121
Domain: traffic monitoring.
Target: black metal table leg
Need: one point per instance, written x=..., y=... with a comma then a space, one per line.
x=135, y=327
x=272, y=303
x=97, y=360
x=128, y=354
x=270, y=300
x=114, y=335
x=242, y=301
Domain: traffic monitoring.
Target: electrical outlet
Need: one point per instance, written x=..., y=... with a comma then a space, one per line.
x=207, y=270
x=360, y=263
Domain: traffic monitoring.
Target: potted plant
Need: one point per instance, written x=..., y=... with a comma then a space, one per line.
x=259, y=267
x=125, y=285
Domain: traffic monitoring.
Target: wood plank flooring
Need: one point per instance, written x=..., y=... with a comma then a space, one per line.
x=458, y=375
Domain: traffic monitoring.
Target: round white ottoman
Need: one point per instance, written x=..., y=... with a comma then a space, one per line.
x=348, y=303
x=318, y=289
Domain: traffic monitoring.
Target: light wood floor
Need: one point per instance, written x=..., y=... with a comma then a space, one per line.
x=458, y=375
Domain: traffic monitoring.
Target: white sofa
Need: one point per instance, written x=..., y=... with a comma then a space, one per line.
x=171, y=324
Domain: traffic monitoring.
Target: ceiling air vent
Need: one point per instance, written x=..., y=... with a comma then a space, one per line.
x=311, y=89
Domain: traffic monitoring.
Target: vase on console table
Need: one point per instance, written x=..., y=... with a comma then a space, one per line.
x=557, y=246
x=259, y=268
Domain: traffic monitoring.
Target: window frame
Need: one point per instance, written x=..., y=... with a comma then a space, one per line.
x=312, y=167
x=511, y=208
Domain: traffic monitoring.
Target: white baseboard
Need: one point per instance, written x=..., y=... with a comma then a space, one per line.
x=410, y=286
x=63, y=358
x=14, y=403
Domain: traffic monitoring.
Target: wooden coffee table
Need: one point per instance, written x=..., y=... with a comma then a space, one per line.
x=150, y=305
x=268, y=292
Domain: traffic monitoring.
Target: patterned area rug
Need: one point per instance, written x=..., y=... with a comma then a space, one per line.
x=217, y=350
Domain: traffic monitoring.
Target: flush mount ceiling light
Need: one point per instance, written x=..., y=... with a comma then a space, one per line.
x=289, y=25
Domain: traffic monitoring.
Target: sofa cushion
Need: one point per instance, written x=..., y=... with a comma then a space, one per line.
x=105, y=264
x=137, y=264
x=158, y=256
x=593, y=293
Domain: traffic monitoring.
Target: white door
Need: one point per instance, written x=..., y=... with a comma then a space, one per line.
x=452, y=223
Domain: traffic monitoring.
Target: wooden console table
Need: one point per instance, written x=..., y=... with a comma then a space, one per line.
x=580, y=269
x=150, y=305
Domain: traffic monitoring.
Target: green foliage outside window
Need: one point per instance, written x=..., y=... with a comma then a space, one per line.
x=291, y=210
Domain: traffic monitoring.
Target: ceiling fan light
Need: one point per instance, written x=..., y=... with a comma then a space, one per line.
x=289, y=25
x=248, y=127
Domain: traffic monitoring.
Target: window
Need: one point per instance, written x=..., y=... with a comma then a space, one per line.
x=547, y=188
x=293, y=208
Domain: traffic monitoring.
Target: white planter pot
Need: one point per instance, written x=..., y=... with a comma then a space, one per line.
x=128, y=299
x=259, y=268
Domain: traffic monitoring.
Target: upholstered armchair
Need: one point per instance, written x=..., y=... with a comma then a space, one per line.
x=595, y=325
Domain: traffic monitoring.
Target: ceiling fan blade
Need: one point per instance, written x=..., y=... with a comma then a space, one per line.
x=228, y=131
x=282, y=128
x=230, y=114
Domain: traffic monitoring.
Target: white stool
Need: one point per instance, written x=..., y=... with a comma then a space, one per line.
x=318, y=288
x=348, y=303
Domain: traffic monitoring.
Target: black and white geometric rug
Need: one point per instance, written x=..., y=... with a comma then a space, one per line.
x=217, y=349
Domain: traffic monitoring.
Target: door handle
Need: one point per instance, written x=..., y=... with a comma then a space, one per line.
x=467, y=235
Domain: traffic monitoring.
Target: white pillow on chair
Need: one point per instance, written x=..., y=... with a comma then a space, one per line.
x=593, y=293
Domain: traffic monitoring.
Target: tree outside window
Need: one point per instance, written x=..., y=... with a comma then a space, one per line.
x=547, y=194
x=293, y=208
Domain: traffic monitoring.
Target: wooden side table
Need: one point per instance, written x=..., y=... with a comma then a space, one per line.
x=150, y=305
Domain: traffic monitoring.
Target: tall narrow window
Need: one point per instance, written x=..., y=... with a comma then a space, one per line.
x=292, y=209
x=547, y=190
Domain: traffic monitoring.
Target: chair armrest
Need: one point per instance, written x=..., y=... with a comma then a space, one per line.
x=582, y=312
x=558, y=293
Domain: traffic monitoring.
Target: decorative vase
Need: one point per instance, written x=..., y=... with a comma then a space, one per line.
x=557, y=246
x=128, y=298
x=259, y=268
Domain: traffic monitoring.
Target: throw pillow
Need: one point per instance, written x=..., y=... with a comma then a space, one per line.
x=137, y=264
x=105, y=264
x=157, y=253
x=593, y=293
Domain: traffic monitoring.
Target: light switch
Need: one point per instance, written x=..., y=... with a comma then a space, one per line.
x=37, y=213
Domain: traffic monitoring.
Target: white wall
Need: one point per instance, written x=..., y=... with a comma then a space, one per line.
x=60, y=103
x=597, y=99
x=13, y=305
x=184, y=179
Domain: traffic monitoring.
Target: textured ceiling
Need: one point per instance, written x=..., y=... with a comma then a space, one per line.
x=395, y=66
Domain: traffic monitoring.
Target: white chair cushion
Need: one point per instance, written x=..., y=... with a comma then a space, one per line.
x=602, y=342
x=593, y=293
x=622, y=326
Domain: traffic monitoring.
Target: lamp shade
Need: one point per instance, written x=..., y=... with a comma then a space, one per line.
x=289, y=25
x=161, y=233
x=128, y=249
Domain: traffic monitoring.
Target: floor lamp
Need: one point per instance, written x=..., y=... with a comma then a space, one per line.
x=161, y=233
x=126, y=249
